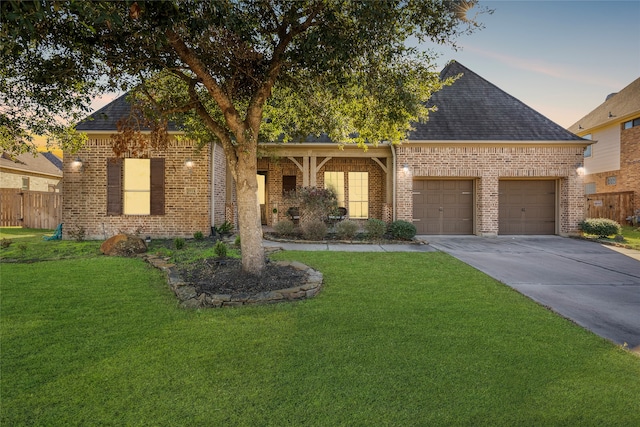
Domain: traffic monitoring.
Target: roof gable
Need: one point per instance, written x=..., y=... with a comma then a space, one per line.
x=107, y=117
x=473, y=109
x=622, y=104
x=42, y=163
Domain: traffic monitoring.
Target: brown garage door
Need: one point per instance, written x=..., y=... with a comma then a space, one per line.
x=443, y=206
x=527, y=207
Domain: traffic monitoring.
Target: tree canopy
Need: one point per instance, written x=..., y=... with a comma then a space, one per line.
x=236, y=72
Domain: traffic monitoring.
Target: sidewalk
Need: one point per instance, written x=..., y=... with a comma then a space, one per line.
x=345, y=247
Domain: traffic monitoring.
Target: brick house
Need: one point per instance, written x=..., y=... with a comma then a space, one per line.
x=483, y=164
x=612, y=162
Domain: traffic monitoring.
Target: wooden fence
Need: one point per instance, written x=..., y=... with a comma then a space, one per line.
x=615, y=206
x=31, y=209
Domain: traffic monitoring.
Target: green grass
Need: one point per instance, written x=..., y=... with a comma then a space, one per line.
x=27, y=245
x=631, y=236
x=393, y=339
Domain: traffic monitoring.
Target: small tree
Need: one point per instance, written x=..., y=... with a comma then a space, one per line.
x=315, y=204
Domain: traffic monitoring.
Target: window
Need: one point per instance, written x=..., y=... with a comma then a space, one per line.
x=25, y=183
x=135, y=187
x=335, y=182
x=288, y=184
x=611, y=180
x=590, y=188
x=358, y=194
x=631, y=123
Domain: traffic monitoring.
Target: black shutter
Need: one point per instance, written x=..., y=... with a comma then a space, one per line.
x=114, y=186
x=157, y=187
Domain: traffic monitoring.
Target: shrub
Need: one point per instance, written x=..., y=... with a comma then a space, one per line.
x=601, y=227
x=314, y=230
x=198, y=235
x=220, y=249
x=402, y=230
x=179, y=243
x=237, y=241
x=285, y=228
x=346, y=229
x=375, y=228
x=5, y=243
x=224, y=228
x=313, y=203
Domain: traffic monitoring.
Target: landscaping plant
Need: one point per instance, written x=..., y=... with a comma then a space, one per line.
x=601, y=227
x=402, y=230
x=346, y=229
x=375, y=228
x=314, y=230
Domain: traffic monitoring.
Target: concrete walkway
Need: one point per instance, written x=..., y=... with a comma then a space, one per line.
x=595, y=285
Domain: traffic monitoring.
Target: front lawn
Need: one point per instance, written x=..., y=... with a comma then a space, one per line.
x=393, y=339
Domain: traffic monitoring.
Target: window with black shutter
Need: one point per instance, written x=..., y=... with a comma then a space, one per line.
x=135, y=187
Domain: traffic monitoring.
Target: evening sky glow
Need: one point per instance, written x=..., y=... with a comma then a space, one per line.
x=561, y=58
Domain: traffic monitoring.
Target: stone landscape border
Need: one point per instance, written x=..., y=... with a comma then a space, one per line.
x=189, y=298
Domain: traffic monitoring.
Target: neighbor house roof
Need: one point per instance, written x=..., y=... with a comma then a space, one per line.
x=26, y=162
x=107, y=117
x=615, y=108
x=473, y=109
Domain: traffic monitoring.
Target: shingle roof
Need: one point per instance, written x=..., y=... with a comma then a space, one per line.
x=473, y=109
x=107, y=117
x=621, y=104
x=28, y=163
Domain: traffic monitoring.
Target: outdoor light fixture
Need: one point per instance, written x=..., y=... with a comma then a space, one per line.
x=580, y=169
x=189, y=163
x=405, y=168
x=77, y=164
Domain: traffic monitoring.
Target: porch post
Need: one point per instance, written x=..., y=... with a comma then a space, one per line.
x=305, y=171
x=312, y=172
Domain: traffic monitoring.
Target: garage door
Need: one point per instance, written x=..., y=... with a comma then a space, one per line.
x=527, y=207
x=443, y=206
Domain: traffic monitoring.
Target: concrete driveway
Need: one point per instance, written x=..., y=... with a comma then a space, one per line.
x=591, y=284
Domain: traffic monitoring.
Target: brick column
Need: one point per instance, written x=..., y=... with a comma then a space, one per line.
x=487, y=206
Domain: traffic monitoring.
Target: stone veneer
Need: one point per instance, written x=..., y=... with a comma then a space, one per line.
x=488, y=163
x=189, y=298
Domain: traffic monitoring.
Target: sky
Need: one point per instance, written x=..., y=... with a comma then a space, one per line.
x=560, y=57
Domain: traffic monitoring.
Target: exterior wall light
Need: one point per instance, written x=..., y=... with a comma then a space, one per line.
x=189, y=163
x=77, y=164
x=405, y=168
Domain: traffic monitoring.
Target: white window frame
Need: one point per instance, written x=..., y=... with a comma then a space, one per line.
x=359, y=195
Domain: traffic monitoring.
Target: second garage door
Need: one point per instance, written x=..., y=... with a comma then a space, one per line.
x=527, y=207
x=443, y=206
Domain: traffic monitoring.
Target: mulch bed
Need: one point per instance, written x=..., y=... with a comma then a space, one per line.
x=213, y=276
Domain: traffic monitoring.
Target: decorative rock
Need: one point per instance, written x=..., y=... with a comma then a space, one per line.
x=123, y=245
x=189, y=298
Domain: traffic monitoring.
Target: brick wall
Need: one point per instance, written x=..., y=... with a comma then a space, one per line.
x=187, y=194
x=488, y=164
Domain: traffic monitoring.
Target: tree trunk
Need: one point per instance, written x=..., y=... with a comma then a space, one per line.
x=253, y=260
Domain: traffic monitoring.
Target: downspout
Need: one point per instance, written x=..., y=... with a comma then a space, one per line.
x=213, y=185
x=393, y=201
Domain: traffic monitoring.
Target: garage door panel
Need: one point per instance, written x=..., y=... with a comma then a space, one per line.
x=527, y=207
x=443, y=206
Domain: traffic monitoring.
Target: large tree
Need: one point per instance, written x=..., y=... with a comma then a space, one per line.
x=237, y=72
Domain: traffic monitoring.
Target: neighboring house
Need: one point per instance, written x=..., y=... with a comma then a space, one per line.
x=483, y=164
x=26, y=172
x=612, y=162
